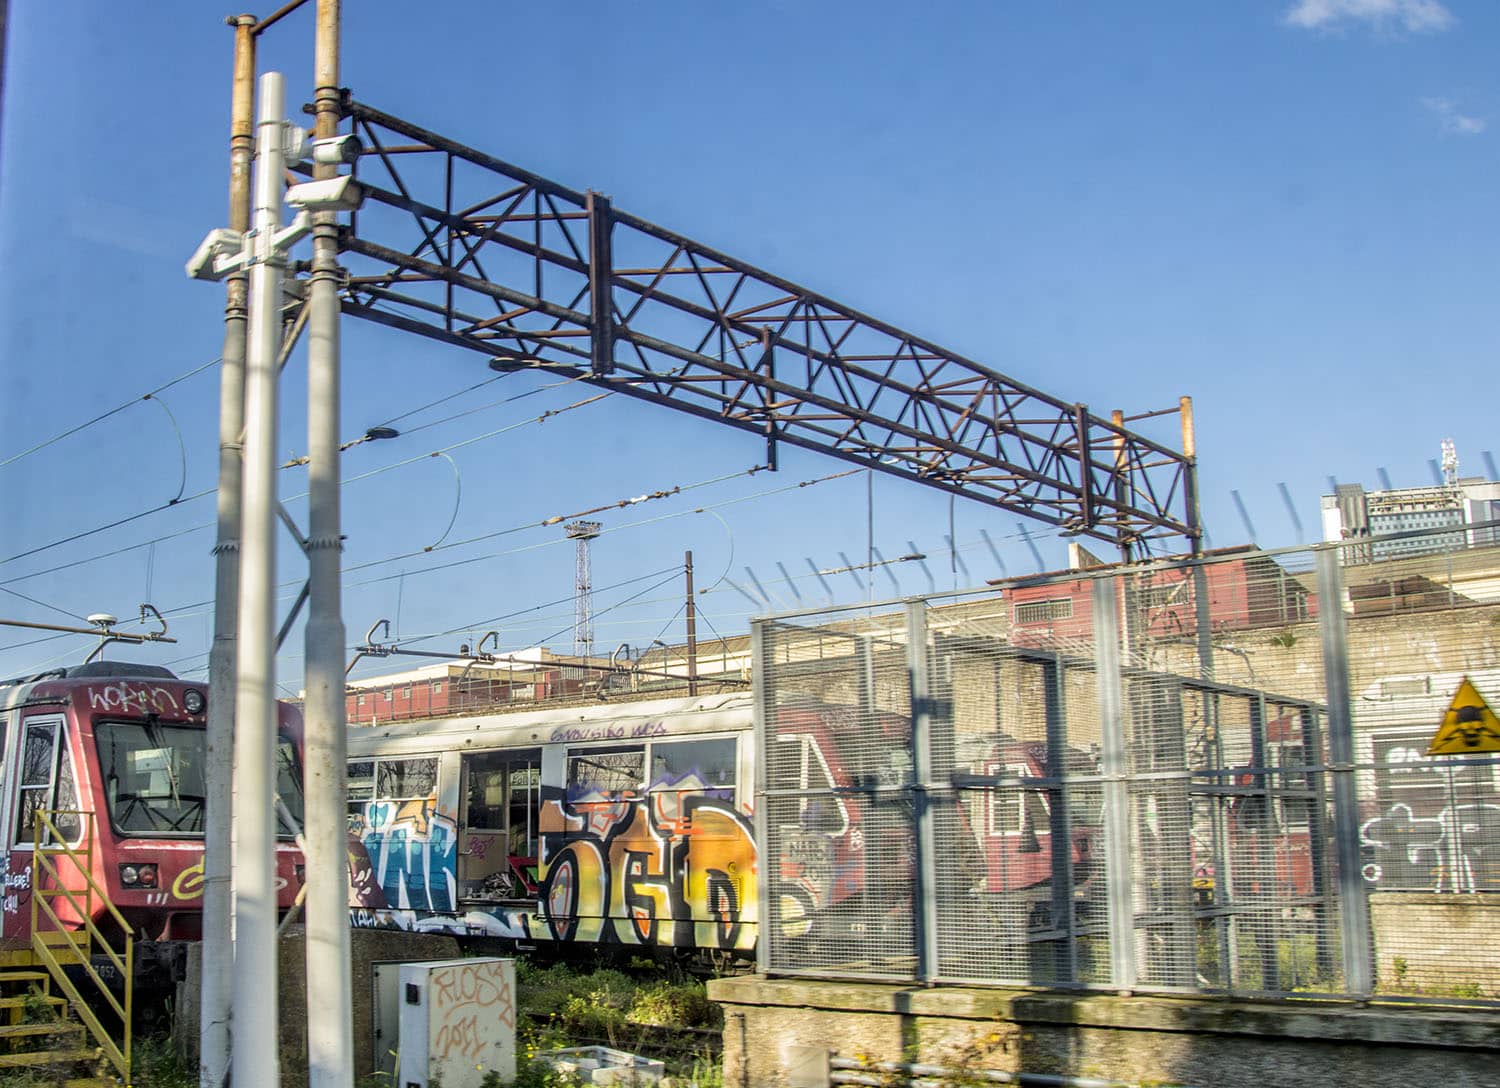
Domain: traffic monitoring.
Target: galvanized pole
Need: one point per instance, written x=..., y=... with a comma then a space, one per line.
x=255, y=999
x=218, y=950
x=1354, y=908
x=692, y=628
x=1113, y=768
x=924, y=837
x=330, y=1044
x=1203, y=620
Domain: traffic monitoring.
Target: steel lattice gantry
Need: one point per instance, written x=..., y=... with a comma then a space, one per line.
x=461, y=247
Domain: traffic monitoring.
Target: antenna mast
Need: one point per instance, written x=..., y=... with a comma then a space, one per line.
x=583, y=588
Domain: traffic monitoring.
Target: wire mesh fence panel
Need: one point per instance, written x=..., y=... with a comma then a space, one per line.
x=1143, y=778
x=838, y=807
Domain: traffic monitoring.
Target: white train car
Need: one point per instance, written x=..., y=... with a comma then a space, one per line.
x=621, y=824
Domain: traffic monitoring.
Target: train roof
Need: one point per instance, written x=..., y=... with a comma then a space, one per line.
x=97, y=670
x=604, y=722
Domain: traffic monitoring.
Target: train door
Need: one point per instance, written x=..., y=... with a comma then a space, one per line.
x=44, y=780
x=499, y=796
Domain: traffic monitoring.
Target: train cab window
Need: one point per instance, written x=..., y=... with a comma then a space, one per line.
x=46, y=781
x=288, y=786
x=706, y=766
x=600, y=772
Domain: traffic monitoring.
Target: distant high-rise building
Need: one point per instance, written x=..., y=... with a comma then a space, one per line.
x=1385, y=517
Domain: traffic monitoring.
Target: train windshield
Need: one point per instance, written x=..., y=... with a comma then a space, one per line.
x=153, y=778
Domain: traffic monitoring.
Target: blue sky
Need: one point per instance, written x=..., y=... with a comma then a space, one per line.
x=1284, y=209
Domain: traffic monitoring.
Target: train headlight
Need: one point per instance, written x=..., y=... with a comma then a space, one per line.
x=193, y=701
x=138, y=876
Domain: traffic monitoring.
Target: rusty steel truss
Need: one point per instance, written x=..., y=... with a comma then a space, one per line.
x=459, y=246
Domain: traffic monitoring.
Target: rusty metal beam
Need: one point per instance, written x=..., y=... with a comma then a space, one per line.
x=468, y=249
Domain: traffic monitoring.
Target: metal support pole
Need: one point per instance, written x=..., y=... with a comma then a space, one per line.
x=924, y=838
x=214, y=1010
x=768, y=946
x=255, y=998
x=1059, y=821
x=1203, y=620
x=1354, y=907
x=692, y=627
x=1113, y=768
x=330, y=1042
x=601, y=271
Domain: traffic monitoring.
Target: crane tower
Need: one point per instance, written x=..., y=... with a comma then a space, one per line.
x=583, y=589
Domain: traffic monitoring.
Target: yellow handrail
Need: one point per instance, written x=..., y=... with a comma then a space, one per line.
x=86, y=872
x=82, y=856
x=80, y=951
x=118, y=1056
x=81, y=909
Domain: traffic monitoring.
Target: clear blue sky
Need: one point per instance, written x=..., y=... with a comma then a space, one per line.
x=1285, y=209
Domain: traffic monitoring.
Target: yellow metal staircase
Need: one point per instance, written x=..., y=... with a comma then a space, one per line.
x=57, y=1013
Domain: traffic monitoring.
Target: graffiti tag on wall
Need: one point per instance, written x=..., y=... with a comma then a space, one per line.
x=468, y=1001
x=1458, y=850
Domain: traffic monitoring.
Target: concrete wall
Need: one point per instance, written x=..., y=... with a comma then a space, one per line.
x=1444, y=942
x=768, y=1023
x=367, y=946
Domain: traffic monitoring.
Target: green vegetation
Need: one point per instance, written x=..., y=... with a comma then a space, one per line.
x=669, y=1018
x=645, y=1010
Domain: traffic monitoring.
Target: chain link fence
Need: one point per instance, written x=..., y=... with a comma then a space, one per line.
x=1193, y=776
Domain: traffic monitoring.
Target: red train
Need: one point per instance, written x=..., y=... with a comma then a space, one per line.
x=125, y=743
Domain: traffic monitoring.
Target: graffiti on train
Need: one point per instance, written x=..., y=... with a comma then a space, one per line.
x=672, y=868
x=402, y=856
x=675, y=867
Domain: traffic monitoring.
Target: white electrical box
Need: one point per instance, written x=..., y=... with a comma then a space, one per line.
x=458, y=1022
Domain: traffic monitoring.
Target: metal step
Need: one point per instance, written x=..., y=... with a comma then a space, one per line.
x=49, y=1057
x=42, y=1027
x=31, y=999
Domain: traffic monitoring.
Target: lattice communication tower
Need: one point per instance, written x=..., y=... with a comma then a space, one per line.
x=583, y=587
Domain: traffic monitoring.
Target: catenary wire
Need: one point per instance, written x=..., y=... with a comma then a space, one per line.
x=105, y=415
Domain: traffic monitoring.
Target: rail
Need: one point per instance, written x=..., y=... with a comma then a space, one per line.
x=81, y=935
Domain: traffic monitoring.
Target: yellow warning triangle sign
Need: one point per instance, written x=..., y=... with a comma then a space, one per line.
x=1469, y=726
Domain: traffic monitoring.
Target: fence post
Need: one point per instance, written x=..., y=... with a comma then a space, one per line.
x=1106, y=620
x=1354, y=907
x=770, y=909
x=924, y=872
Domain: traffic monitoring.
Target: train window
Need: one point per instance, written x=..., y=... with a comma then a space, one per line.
x=1013, y=811
x=289, y=785
x=153, y=777
x=46, y=782
x=707, y=765
x=361, y=780
x=604, y=770
x=406, y=779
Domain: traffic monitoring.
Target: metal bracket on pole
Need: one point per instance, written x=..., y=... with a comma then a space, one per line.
x=291, y=527
x=291, y=617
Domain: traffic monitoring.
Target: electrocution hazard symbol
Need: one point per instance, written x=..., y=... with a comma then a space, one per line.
x=1468, y=726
